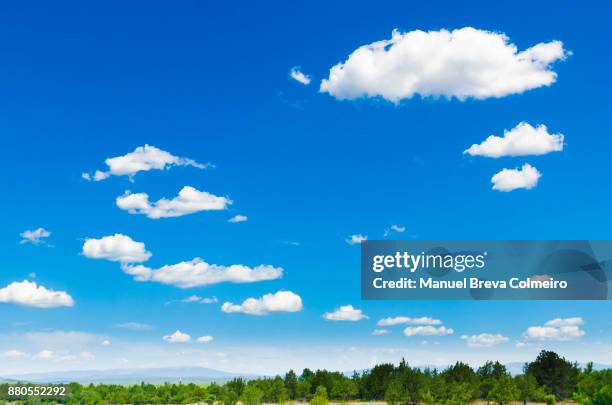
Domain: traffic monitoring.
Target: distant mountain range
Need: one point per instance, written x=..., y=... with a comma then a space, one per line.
x=130, y=376
x=177, y=374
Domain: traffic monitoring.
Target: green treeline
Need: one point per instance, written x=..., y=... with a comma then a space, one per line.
x=547, y=379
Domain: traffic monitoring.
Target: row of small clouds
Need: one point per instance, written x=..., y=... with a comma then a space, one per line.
x=522, y=140
x=558, y=329
x=191, y=273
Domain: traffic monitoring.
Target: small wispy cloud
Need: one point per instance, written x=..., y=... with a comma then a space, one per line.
x=238, y=218
x=135, y=326
x=356, y=239
x=394, y=229
x=296, y=74
x=195, y=299
x=35, y=237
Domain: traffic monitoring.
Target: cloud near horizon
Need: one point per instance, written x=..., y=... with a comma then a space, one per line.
x=462, y=63
x=557, y=329
x=188, y=201
x=428, y=331
x=484, y=340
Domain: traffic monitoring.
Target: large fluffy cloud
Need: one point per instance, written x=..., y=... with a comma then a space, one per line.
x=116, y=248
x=521, y=140
x=197, y=272
x=281, y=301
x=188, y=201
x=35, y=237
x=399, y=320
x=428, y=331
x=556, y=329
x=484, y=339
x=345, y=313
x=526, y=177
x=462, y=63
x=28, y=293
x=143, y=158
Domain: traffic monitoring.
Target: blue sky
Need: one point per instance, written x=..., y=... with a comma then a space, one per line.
x=82, y=83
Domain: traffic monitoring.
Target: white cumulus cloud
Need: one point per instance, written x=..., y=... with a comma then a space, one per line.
x=188, y=201
x=484, y=339
x=29, y=294
x=143, y=158
x=558, y=329
x=462, y=63
x=116, y=248
x=526, y=177
x=177, y=337
x=522, y=140
x=399, y=320
x=428, y=331
x=35, y=237
x=345, y=313
x=356, y=239
x=297, y=75
x=197, y=272
x=205, y=339
x=281, y=301
x=14, y=354
x=238, y=218
x=379, y=332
